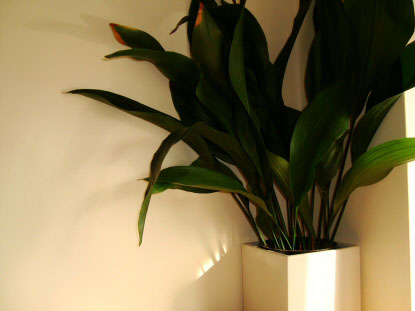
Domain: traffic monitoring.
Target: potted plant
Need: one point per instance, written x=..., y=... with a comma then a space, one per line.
x=252, y=146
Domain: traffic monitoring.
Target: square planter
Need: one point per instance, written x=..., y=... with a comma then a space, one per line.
x=326, y=280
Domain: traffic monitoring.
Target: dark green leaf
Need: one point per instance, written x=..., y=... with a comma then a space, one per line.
x=322, y=122
x=368, y=125
x=193, y=13
x=161, y=187
x=281, y=172
x=151, y=115
x=208, y=51
x=155, y=168
x=401, y=77
x=330, y=163
x=231, y=146
x=176, y=67
x=216, y=104
x=237, y=64
x=330, y=54
x=135, y=38
x=182, y=21
x=188, y=107
x=381, y=29
x=281, y=62
x=199, y=177
x=374, y=165
x=314, y=69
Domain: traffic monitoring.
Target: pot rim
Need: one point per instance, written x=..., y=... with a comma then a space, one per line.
x=336, y=246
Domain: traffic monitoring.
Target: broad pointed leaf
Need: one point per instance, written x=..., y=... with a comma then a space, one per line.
x=281, y=62
x=193, y=13
x=330, y=163
x=368, y=125
x=176, y=67
x=199, y=177
x=322, y=122
x=216, y=104
x=160, y=187
x=155, y=168
x=151, y=115
x=208, y=50
x=237, y=65
x=330, y=54
x=281, y=171
x=189, y=108
x=135, y=38
x=374, y=165
x=245, y=132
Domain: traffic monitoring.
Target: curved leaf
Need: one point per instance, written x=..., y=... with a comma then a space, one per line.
x=281, y=171
x=216, y=104
x=160, y=187
x=176, y=67
x=322, y=122
x=368, y=125
x=374, y=165
x=232, y=147
x=155, y=168
x=193, y=13
x=245, y=132
x=208, y=51
x=135, y=38
x=280, y=64
x=182, y=21
x=330, y=163
x=188, y=107
x=151, y=115
x=237, y=65
x=199, y=177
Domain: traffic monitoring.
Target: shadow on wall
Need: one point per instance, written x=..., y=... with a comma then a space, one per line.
x=93, y=29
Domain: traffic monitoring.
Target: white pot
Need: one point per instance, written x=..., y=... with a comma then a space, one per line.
x=318, y=281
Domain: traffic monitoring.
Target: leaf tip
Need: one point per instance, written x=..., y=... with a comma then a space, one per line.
x=199, y=15
x=116, y=34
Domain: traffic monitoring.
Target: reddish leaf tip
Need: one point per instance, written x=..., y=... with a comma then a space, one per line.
x=199, y=14
x=116, y=34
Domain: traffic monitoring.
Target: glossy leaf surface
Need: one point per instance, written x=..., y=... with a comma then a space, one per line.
x=374, y=165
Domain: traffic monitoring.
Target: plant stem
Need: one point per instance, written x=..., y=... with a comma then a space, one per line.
x=313, y=193
x=276, y=205
x=336, y=227
x=295, y=226
x=250, y=218
x=321, y=215
x=340, y=175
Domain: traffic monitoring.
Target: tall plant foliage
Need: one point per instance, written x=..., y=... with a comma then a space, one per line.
x=228, y=96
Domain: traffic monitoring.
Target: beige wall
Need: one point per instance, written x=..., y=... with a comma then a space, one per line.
x=69, y=198
x=377, y=219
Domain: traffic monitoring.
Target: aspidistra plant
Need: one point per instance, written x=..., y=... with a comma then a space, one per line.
x=228, y=96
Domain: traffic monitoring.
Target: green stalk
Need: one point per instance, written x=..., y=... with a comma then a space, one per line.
x=321, y=214
x=295, y=227
x=278, y=208
x=248, y=215
x=336, y=227
x=312, y=198
x=340, y=175
x=289, y=223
